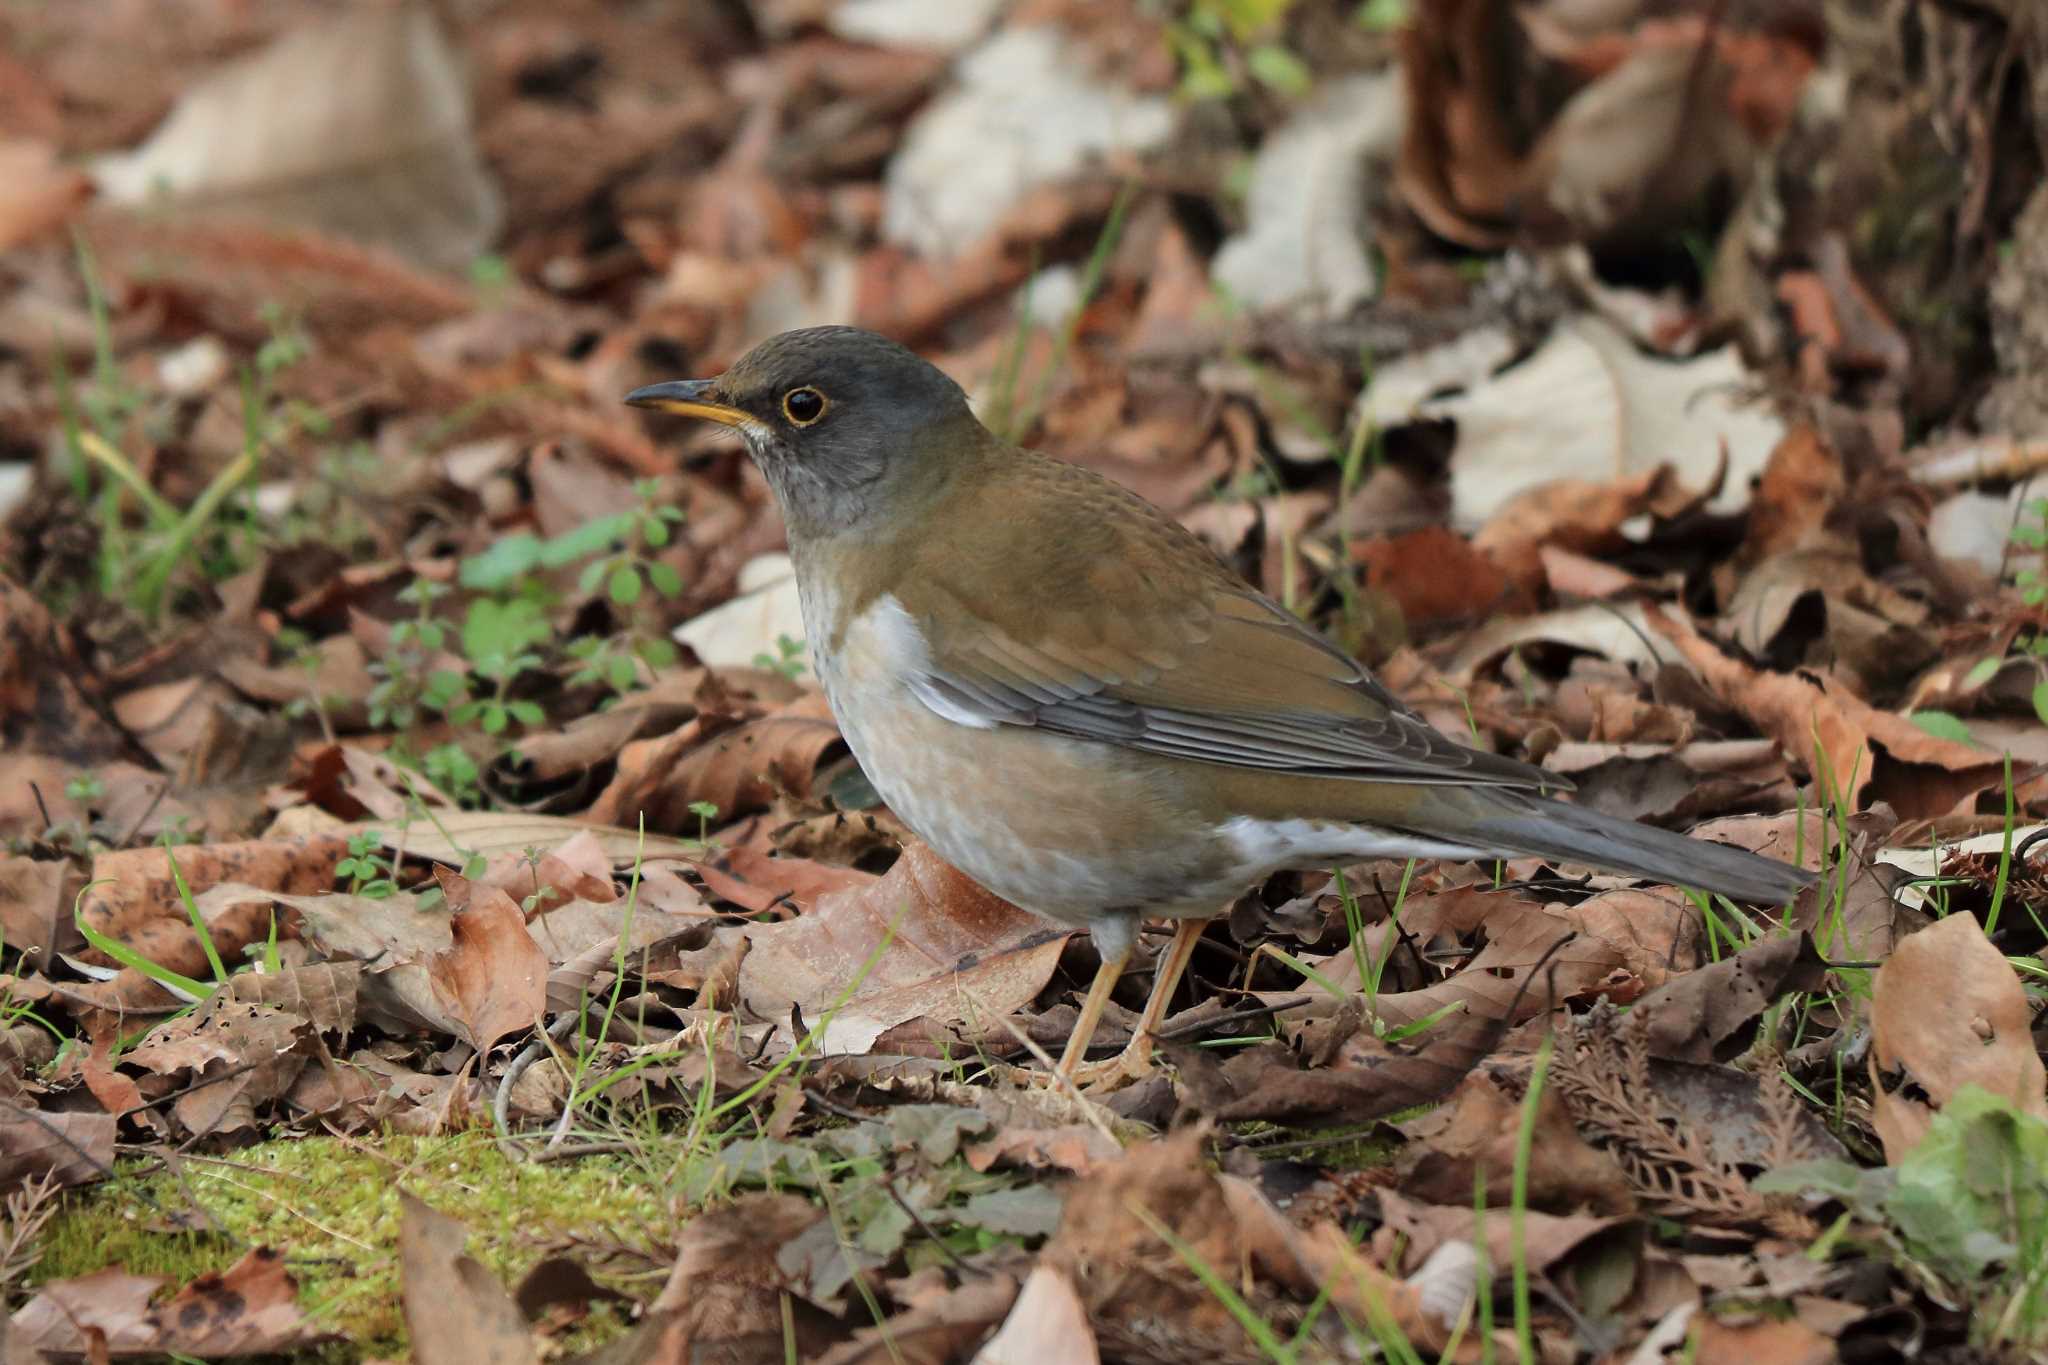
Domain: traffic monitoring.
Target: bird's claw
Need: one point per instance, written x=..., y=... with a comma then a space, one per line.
x=1096, y=1079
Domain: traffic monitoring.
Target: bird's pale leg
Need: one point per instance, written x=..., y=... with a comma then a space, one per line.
x=1091, y=1008
x=1136, y=1059
x=1186, y=933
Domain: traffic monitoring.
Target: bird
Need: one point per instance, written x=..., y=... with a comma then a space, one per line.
x=1074, y=702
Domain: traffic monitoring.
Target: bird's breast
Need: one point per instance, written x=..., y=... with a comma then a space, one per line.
x=1068, y=828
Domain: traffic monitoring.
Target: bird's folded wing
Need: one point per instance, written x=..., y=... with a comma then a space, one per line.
x=1221, y=675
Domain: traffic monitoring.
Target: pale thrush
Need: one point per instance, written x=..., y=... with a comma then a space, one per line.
x=1069, y=697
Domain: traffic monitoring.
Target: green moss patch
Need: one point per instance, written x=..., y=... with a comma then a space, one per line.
x=332, y=1208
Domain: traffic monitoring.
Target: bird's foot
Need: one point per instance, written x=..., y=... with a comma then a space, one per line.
x=1133, y=1064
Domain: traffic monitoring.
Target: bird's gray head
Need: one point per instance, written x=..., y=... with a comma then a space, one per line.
x=845, y=424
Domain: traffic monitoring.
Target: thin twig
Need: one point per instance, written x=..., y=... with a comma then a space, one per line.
x=185, y=1090
x=572, y=1150
x=889, y=1184
x=143, y=819
x=1089, y=1108
x=335, y=1233
x=501, y=1107
x=1238, y=1016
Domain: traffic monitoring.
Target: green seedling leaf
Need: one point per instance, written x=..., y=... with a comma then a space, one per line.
x=592, y=537
x=625, y=585
x=505, y=563
x=1273, y=65
x=658, y=652
x=1943, y=725
x=1982, y=672
x=1383, y=16
x=1973, y=1186
x=501, y=629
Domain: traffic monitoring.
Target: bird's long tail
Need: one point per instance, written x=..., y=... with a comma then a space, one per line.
x=1512, y=823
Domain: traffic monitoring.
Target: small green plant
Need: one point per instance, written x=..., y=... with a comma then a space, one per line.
x=499, y=637
x=622, y=564
x=706, y=812
x=406, y=685
x=449, y=767
x=1383, y=16
x=1010, y=415
x=85, y=788
x=1220, y=42
x=1968, y=1206
x=788, y=658
x=308, y=660
x=2030, y=532
x=366, y=867
x=492, y=276
x=145, y=542
x=186, y=988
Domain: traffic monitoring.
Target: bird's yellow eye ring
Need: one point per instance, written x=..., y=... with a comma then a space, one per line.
x=804, y=406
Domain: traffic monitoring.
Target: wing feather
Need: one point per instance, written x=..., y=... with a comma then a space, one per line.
x=1131, y=633
x=1256, y=690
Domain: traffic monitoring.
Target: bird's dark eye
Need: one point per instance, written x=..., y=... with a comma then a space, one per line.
x=803, y=406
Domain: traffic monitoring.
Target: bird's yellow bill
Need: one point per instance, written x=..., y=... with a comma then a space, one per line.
x=689, y=398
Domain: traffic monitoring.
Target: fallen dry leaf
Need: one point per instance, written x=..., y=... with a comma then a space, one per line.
x=492, y=980
x=1076, y=1147
x=42, y=711
x=730, y=1281
x=41, y=191
x=1841, y=739
x=1705, y=1015
x=922, y=943
x=385, y=156
x=1949, y=1011
x=1483, y=1136
x=251, y=1308
x=1350, y=1077
x=137, y=904
x=1573, y=516
x=456, y=1312
x=72, y=1148
x=936, y=1328
x=734, y=768
x=1048, y=1322
x=1136, y=1285
x=244, y=1049
x=35, y=906
x=1427, y=1308
x=1435, y=575
x=1418, y=1229
x=455, y=836
x=323, y=993
x=758, y=882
